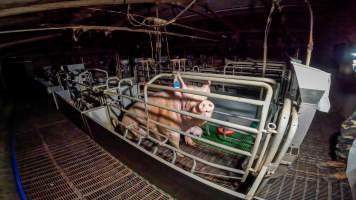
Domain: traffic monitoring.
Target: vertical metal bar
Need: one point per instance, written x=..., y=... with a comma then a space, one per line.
x=261, y=127
x=256, y=183
x=55, y=100
x=310, y=42
x=264, y=112
x=330, y=190
x=146, y=108
x=264, y=148
x=281, y=129
x=290, y=136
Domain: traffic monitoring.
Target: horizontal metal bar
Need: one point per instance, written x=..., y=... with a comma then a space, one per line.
x=216, y=121
x=187, y=173
x=238, y=116
x=233, y=77
x=189, y=155
x=218, y=175
x=246, y=153
x=108, y=28
x=234, y=67
x=213, y=95
x=232, y=129
x=142, y=101
x=234, y=150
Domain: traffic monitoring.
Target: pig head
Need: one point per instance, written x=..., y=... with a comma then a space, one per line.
x=193, y=103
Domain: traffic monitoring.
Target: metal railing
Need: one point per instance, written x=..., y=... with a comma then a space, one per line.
x=257, y=132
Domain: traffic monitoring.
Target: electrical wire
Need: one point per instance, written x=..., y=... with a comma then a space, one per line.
x=135, y=22
x=175, y=24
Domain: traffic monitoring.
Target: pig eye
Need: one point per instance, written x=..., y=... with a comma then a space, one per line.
x=210, y=105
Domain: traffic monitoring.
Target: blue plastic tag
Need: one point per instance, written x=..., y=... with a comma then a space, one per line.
x=176, y=84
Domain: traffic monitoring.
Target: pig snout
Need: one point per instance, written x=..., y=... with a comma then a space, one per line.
x=206, y=107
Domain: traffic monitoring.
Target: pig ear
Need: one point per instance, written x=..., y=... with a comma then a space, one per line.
x=206, y=86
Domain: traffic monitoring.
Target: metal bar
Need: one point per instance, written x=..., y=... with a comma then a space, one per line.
x=187, y=173
x=107, y=28
x=291, y=133
x=72, y=4
x=109, y=79
x=213, y=95
x=264, y=110
x=267, y=80
x=281, y=129
x=216, y=121
x=32, y=39
x=190, y=155
x=256, y=183
x=217, y=175
x=222, y=76
x=246, y=153
x=261, y=127
x=264, y=148
x=198, y=116
x=174, y=23
x=310, y=41
x=238, y=116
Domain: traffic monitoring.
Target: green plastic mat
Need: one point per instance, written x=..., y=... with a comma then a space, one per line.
x=237, y=140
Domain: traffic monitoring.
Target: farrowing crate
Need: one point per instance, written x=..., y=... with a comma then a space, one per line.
x=211, y=165
x=278, y=71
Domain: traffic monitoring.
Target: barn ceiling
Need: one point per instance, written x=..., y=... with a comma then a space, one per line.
x=29, y=21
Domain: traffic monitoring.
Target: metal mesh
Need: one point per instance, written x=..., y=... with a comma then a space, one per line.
x=202, y=170
x=304, y=179
x=61, y=162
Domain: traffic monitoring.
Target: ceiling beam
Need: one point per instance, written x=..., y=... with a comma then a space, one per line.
x=226, y=23
x=75, y=4
x=108, y=29
x=174, y=23
x=32, y=39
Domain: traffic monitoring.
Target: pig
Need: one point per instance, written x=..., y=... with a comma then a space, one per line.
x=196, y=104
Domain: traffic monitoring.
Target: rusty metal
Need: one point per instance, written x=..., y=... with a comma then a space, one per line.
x=61, y=162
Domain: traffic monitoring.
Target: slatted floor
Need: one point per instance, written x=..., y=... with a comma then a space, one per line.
x=58, y=161
x=202, y=170
x=305, y=179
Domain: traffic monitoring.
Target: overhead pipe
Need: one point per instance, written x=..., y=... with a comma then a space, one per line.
x=107, y=28
x=174, y=23
x=74, y=4
x=310, y=42
x=32, y=39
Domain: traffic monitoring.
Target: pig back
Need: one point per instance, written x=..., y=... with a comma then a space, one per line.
x=155, y=113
